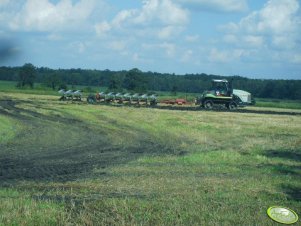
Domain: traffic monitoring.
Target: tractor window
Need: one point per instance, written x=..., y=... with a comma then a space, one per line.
x=221, y=86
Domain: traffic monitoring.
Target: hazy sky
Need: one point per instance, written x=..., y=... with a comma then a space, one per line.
x=253, y=38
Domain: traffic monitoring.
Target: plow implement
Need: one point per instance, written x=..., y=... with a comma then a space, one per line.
x=120, y=98
x=70, y=95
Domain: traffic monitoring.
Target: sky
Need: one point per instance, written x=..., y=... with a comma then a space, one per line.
x=250, y=38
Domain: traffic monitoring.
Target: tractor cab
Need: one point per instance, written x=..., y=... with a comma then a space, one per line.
x=221, y=88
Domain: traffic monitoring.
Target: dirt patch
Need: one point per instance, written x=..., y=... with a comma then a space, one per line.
x=9, y=108
x=286, y=154
x=36, y=155
x=13, y=169
x=65, y=165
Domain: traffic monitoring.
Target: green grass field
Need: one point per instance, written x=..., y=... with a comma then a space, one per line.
x=71, y=163
x=274, y=103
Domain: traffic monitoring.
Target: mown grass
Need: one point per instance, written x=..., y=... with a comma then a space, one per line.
x=275, y=103
x=8, y=129
x=19, y=209
x=201, y=168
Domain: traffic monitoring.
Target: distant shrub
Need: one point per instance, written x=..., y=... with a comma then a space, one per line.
x=63, y=86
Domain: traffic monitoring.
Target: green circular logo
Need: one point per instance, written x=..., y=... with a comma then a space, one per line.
x=282, y=215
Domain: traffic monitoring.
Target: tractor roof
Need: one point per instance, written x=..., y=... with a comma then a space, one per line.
x=219, y=80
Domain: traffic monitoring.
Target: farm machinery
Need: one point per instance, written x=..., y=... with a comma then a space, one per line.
x=70, y=94
x=122, y=98
x=222, y=94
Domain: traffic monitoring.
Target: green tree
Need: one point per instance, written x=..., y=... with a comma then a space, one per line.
x=174, y=90
x=63, y=86
x=268, y=90
x=27, y=75
x=135, y=80
x=115, y=82
x=53, y=80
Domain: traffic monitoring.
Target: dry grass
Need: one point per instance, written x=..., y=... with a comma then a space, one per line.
x=197, y=168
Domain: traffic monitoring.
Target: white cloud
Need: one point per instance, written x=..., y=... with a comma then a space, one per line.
x=164, y=11
x=139, y=59
x=272, y=32
x=117, y=45
x=225, y=56
x=136, y=57
x=169, y=49
x=287, y=42
x=102, y=28
x=216, y=5
x=218, y=56
x=279, y=23
x=78, y=46
x=253, y=40
x=229, y=38
x=55, y=37
x=276, y=17
x=192, y=38
x=187, y=56
x=3, y=2
x=297, y=58
x=122, y=17
x=169, y=31
x=164, y=18
x=43, y=15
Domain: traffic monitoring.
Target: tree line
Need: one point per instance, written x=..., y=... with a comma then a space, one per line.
x=138, y=81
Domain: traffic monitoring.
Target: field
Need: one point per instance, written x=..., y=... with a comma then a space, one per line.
x=274, y=103
x=64, y=163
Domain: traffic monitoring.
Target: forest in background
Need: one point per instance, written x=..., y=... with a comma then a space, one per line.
x=139, y=81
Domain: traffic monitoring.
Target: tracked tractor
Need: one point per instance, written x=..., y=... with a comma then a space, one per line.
x=222, y=94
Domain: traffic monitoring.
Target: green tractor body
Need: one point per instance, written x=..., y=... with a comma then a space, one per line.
x=222, y=93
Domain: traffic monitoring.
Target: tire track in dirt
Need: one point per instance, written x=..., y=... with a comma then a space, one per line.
x=65, y=160
x=8, y=108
